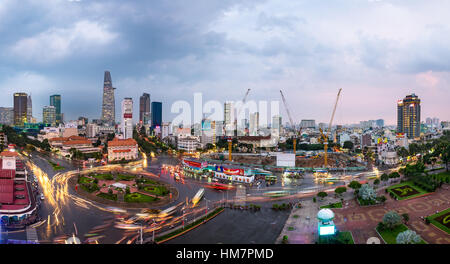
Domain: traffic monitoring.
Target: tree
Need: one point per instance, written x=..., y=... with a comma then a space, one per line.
x=322, y=195
x=403, y=152
x=376, y=181
x=391, y=220
x=348, y=145
x=394, y=175
x=367, y=193
x=384, y=177
x=405, y=217
x=354, y=185
x=408, y=237
x=340, y=190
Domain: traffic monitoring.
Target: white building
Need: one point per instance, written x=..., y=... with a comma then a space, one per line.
x=188, y=144
x=91, y=130
x=127, y=118
x=166, y=129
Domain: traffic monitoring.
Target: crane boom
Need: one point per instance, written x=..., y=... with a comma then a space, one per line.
x=287, y=109
x=325, y=143
x=334, y=111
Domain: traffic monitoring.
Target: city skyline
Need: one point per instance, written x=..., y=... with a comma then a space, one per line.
x=172, y=57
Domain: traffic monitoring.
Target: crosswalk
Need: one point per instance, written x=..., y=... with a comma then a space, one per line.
x=32, y=234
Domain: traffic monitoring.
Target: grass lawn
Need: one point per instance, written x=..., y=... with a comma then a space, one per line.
x=343, y=237
x=157, y=190
x=441, y=220
x=148, y=181
x=84, y=179
x=55, y=166
x=390, y=236
x=124, y=177
x=108, y=196
x=138, y=198
x=333, y=205
x=105, y=176
x=406, y=190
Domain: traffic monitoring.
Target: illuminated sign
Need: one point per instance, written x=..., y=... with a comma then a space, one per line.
x=327, y=230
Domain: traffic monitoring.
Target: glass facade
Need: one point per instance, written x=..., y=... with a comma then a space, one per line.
x=55, y=101
x=156, y=114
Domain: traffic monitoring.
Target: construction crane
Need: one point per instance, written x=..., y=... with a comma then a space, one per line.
x=238, y=111
x=294, y=140
x=325, y=137
x=229, y=139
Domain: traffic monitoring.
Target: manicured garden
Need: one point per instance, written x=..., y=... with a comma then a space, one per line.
x=333, y=205
x=441, y=177
x=125, y=177
x=138, y=198
x=405, y=190
x=390, y=236
x=341, y=237
x=441, y=220
x=108, y=196
x=156, y=190
x=105, y=176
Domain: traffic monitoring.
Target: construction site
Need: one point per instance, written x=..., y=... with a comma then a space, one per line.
x=335, y=160
x=325, y=159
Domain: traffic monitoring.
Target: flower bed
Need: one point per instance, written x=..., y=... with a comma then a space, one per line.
x=406, y=190
x=441, y=220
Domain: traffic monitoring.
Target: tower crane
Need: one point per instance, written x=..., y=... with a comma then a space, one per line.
x=294, y=140
x=325, y=137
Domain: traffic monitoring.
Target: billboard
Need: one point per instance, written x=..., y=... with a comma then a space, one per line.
x=285, y=160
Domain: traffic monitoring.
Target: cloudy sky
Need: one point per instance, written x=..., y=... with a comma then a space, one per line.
x=377, y=51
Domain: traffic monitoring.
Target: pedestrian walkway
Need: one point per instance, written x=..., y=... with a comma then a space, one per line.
x=241, y=195
x=304, y=224
x=32, y=234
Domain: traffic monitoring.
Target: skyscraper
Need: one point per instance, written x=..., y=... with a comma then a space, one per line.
x=49, y=115
x=55, y=100
x=127, y=118
x=29, y=109
x=408, y=116
x=254, y=124
x=20, y=108
x=108, y=106
x=144, y=108
x=229, y=119
x=156, y=114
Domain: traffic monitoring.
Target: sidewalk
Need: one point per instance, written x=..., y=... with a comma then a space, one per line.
x=305, y=225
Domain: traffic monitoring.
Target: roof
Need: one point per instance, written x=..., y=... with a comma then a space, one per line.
x=122, y=142
x=77, y=142
x=9, y=154
x=325, y=214
x=58, y=139
x=76, y=138
x=7, y=198
x=7, y=174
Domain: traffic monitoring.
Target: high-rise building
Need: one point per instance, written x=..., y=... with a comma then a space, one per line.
x=127, y=118
x=6, y=115
x=254, y=124
x=144, y=108
x=308, y=123
x=408, y=116
x=108, y=106
x=156, y=114
x=380, y=122
x=29, y=109
x=20, y=108
x=55, y=100
x=276, y=124
x=228, y=118
x=49, y=115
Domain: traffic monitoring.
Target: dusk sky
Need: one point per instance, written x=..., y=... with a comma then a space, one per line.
x=377, y=51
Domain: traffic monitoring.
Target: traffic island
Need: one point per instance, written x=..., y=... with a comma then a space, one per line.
x=123, y=190
x=180, y=230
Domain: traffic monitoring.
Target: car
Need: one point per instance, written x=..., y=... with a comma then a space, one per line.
x=42, y=196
